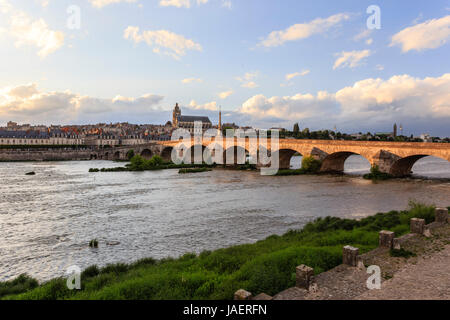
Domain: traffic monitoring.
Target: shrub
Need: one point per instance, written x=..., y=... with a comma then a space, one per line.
x=376, y=174
x=311, y=165
x=130, y=154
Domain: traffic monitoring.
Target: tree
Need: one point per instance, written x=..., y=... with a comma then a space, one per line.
x=296, y=128
x=130, y=154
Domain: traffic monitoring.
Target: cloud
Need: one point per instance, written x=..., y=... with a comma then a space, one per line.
x=227, y=4
x=247, y=80
x=304, y=30
x=291, y=76
x=430, y=34
x=250, y=85
x=350, y=59
x=28, y=31
x=367, y=104
x=225, y=94
x=162, y=41
x=175, y=3
x=26, y=102
x=43, y=3
x=104, y=3
x=191, y=80
x=211, y=106
x=363, y=35
x=180, y=3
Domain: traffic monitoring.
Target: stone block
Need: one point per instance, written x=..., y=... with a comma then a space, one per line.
x=441, y=215
x=242, y=295
x=350, y=256
x=304, y=275
x=417, y=225
x=386, y=239
x=262, y=296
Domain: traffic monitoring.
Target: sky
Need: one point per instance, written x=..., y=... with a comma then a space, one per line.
x=323, y=64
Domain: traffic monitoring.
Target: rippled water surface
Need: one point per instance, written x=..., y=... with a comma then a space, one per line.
x=47, y=220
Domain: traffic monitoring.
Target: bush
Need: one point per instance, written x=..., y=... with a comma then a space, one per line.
x=376, y=174
x=130, y=154
x=311, y=165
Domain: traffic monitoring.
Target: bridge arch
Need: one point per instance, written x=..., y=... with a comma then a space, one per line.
x=190, y=152
x=166, y=153
x=240, y=155
x=147, y=154
x=335, y=162
x=403, y=166
x=285, y=156
x=116, y=155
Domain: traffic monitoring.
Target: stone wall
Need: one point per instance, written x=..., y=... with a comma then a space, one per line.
x=46, y=155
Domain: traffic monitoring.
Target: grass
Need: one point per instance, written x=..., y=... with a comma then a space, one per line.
x=93, y=243
x=265, y=266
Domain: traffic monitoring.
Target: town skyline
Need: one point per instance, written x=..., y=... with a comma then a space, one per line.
x=321, y=67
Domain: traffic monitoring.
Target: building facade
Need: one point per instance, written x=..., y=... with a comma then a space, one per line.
x=188, y=122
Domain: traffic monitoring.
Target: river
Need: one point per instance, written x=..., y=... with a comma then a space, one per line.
x=47, y=220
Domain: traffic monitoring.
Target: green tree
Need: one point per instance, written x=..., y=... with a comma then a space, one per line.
x=296, y=129
x=311, y=165
x=130, y=154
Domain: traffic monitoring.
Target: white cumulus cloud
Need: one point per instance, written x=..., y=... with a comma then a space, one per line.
x=162, y=41
x=104, y=3
x=430, y=34
x=28, y=31
x=191, y=80
x=350, y=59
x=211, y=106
x=369, y=101
x=225, y=94
x=27, y=103
x=304, y=30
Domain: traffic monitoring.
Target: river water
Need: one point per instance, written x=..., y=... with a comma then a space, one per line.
x=47, y=220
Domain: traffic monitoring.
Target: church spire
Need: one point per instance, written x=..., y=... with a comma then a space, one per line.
x=220, y=118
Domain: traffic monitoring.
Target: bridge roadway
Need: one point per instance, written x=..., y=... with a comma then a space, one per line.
x=396, y=158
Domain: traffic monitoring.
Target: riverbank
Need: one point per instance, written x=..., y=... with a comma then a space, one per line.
x=265, y=266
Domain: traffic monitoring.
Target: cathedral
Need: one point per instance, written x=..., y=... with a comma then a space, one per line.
x=187, y=122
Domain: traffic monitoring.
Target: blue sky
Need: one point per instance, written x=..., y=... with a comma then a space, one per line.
x=266, y=63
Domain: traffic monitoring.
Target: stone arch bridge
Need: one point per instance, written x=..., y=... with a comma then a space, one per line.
x=396, y=158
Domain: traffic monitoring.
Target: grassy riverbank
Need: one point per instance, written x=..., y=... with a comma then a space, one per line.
x=266, y=266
